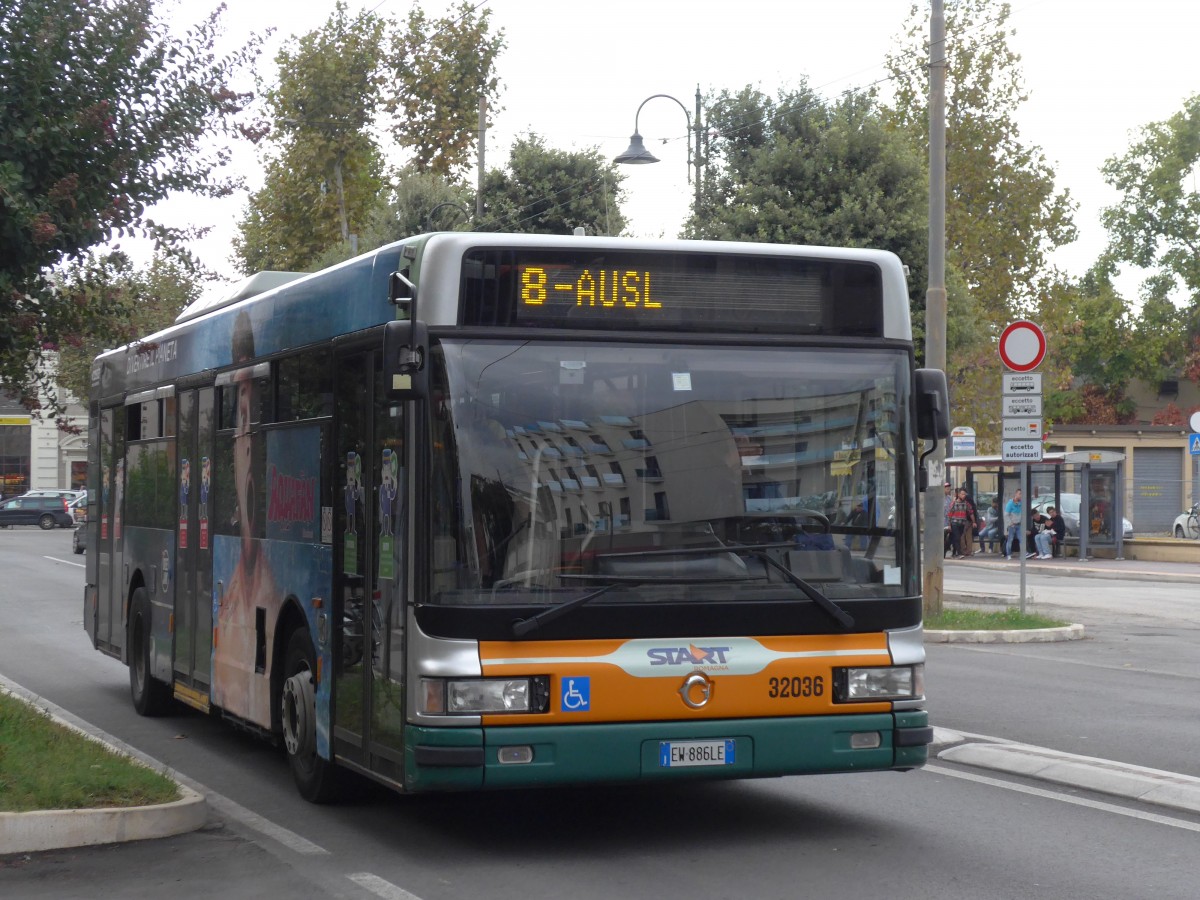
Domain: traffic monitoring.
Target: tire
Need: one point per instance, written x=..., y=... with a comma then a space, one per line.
x=316, y=778
x=46, y=522
x=1179, y=531
x=151, y=697
x=75, y=545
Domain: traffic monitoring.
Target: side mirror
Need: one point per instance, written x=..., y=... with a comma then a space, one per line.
x=405, y=357
x=933, y=405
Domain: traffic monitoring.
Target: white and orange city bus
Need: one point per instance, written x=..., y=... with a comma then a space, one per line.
x=480, y=511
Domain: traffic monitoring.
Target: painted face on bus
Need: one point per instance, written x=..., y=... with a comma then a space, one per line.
x=243, y=468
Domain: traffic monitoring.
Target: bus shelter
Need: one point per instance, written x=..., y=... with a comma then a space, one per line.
x=1087, y=487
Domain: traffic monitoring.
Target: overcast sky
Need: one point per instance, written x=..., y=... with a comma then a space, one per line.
x=575, y=72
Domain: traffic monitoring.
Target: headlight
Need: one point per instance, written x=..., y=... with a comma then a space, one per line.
x=480, y=696
x=879, y=683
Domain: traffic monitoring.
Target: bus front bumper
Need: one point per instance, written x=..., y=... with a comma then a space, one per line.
x=518, y=757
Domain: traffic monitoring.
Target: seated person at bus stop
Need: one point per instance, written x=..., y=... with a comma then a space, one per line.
x=1040, y=530
x=989, y=535
x=1057, y=528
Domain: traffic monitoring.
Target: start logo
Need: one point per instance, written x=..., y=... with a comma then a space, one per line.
x=691, y=655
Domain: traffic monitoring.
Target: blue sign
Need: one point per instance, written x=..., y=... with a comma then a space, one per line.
x=576, y=694
x=1194, y=445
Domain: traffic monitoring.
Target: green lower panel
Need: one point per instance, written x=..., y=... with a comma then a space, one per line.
x=587, y=754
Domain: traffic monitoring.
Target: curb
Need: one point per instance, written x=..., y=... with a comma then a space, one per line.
x=1167, y=789
x=1014, y=636
x=55, y=829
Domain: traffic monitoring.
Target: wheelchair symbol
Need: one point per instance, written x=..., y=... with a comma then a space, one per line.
x=577, y=694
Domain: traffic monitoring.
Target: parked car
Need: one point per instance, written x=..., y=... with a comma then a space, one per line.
x=1187, y=525
x=44, y=511
x=1069, y=507
x=65, y=494
x=79, y=539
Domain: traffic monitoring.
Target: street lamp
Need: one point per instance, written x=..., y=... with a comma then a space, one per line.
x=638, y=155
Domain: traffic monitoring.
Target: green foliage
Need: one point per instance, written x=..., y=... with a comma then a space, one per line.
x=45, y=765
x=104, y=112
x=795, y=169
x=442, y=68
x=546, y=191
x=326, y=170
x=1156, y=223
x=126, y=303
x=419, y=202
x=1003, y=214
x=1009, y=618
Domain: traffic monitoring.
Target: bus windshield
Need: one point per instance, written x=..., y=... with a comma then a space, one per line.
x=669, y=472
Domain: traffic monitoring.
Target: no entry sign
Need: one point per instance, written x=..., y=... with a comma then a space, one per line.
x=1022, y=346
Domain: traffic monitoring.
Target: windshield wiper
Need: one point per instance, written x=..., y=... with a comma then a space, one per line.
x=834, y=611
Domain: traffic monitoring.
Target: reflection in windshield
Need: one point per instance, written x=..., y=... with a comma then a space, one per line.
x=556, y=461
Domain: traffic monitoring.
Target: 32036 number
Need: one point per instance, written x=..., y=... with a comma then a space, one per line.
x=796, y=686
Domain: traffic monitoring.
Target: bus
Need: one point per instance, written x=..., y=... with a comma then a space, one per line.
x=478, y=511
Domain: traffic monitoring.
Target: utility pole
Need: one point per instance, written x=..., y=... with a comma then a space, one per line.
x=482, y=142
x=935, y=302
x=699, y=160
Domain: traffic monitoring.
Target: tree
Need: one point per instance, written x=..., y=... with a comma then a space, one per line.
x=547, y=191
x=104, y=112
x=441, y=69
x=796, y=169
x=1093, y=352
x=327, y=171
x=1156, y=223
x=136, y=302
x=1003, y=214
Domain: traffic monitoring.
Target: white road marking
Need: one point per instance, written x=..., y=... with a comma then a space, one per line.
x=69, y=562
x=253, y=820
x=1065, y=798
x=381, y=888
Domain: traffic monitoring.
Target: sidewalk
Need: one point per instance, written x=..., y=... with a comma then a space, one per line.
x=1131, y=569
x=1153, y=786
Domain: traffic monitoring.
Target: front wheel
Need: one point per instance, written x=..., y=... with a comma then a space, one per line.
x=1179, y=531
x=46, y=522
x=315, y=778
x=151, y=697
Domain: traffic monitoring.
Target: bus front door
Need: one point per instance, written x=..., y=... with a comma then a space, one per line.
x=193, y=543
x=369, y=537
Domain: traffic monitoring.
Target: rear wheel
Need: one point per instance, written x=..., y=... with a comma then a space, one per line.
x=151, y=697
x=316, y=778
x=1178, y=531
x=46, y=521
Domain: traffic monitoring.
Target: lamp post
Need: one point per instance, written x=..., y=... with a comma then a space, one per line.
x=637, y=154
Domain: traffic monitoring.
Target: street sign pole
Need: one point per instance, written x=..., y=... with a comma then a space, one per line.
x=1022, y=349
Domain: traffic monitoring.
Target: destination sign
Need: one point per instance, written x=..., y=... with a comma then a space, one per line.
x=599, y=288
x=1021, y=407
x=1021, y=451
x=1021, y=383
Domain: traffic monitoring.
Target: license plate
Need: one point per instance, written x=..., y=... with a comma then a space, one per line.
x=684, y=754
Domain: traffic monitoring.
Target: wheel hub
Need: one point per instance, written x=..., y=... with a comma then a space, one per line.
x=299, y=707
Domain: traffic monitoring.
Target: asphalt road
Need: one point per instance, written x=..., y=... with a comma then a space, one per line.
x=946, y=831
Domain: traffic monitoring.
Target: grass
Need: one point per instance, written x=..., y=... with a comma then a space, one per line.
x=988, y=620
x=44, y=765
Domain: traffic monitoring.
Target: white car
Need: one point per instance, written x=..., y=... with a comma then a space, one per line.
x=1069, y=508
x=1187, y=525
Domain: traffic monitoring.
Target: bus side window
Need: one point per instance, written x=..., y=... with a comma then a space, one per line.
x=304, y=387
